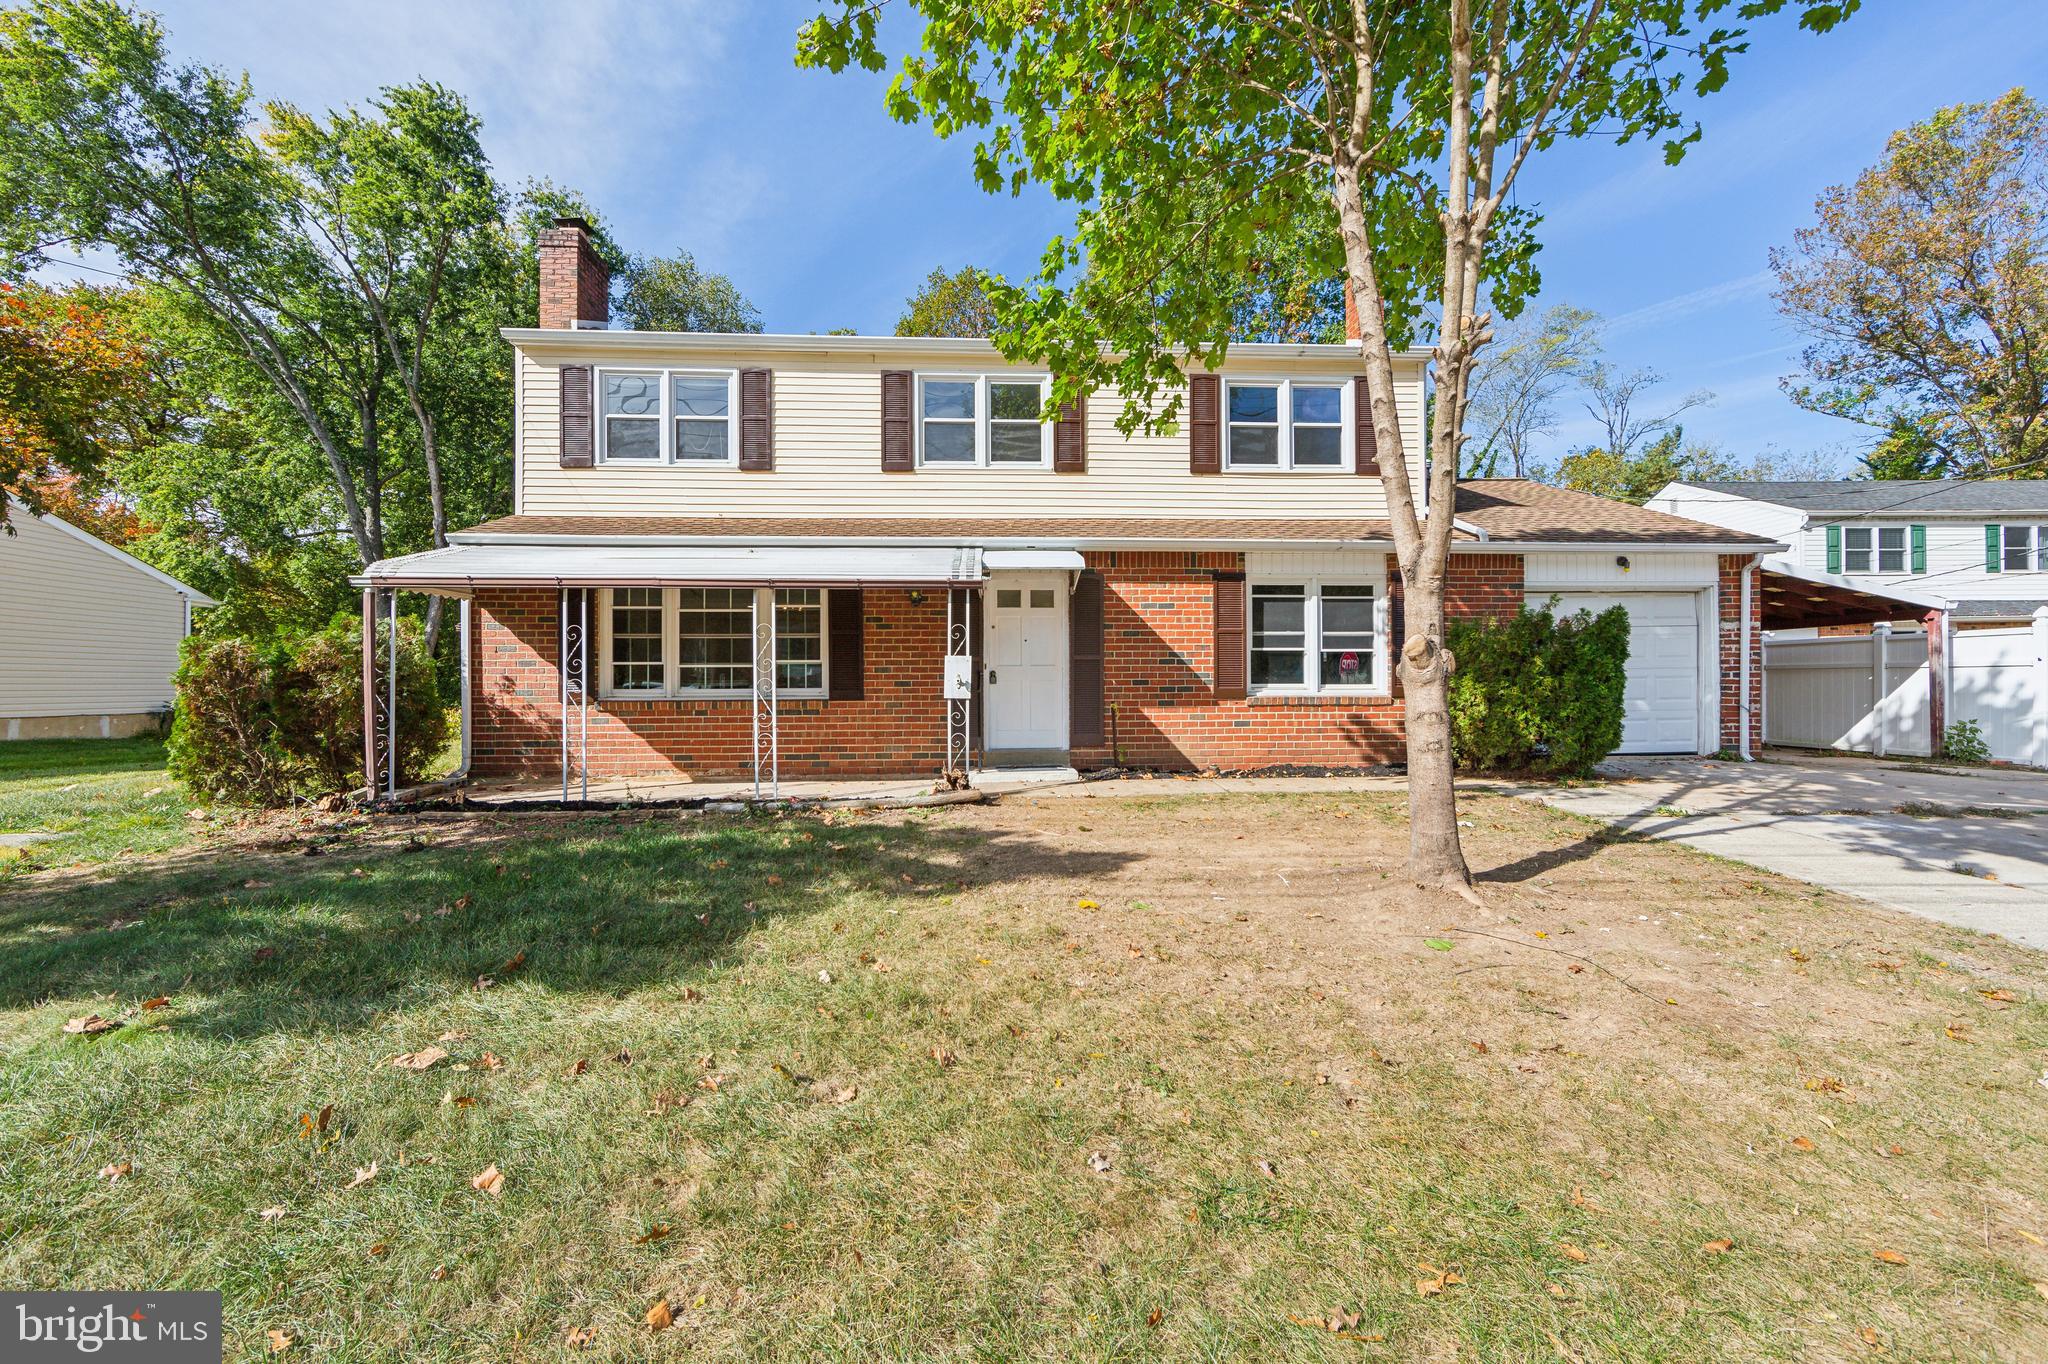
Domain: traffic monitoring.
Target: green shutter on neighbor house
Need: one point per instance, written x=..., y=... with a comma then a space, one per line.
x=1919, y=537
x=1991, y=555
x=1834, y=549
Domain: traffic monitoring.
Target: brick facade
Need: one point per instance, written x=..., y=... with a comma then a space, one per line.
x=898, y=728
x=1158, y=676
x=1732, y=567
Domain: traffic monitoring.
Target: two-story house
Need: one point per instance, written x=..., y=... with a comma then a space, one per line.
x=1980, y=547
x=861, y=555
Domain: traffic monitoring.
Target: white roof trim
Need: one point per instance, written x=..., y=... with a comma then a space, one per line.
x=1066, y=560
x=197, y=597
x=747, y=343
x=1931, y=601
x=459, y=569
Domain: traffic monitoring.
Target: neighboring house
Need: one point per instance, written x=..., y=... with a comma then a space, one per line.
x=1980, y=546
x=1966, y=562
x=867, y=555
x=88, y=634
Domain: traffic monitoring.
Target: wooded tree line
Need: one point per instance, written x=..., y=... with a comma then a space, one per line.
x=294, y=366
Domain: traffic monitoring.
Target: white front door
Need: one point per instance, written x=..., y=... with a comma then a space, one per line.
x=1661, y=701
x=1025, y=654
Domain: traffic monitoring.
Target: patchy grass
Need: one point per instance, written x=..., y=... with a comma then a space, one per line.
x=104, y=797
x=887, y=1087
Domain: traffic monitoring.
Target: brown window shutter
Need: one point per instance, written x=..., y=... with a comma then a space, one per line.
x=1229, y=633
x=846, y=624
x=1205, y=445
x=899, y=454
x=1070, y=439
x=757, y=419
x=579, y=444
x=1366, y=440
x=1084, y=662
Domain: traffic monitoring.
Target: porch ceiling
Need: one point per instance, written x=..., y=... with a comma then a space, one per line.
x=1793, y=601
x=459, y=570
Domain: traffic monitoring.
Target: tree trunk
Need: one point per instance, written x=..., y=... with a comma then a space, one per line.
x=1436, y=858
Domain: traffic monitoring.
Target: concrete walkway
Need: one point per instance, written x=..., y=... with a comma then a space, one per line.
x=1902, y=835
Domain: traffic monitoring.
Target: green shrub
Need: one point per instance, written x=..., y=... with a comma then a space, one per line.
x=1963, y=742
x=1535, y=692
x=261, y=723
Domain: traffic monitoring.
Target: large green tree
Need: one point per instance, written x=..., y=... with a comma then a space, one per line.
x=674, y=294
x=1185, y=131
x=1924, y=289
x=950, y=303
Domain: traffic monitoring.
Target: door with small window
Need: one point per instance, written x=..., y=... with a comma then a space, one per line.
x=1025, y=656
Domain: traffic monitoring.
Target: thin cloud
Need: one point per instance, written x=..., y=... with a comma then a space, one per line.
x=1686, y=305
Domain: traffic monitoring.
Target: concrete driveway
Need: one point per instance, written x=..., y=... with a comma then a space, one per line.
x=1961, y=845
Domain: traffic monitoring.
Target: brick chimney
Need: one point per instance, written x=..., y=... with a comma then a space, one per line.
x=1351, y=331
x=575, y=285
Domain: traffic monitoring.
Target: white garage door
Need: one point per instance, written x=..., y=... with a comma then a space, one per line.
x=1662, y=702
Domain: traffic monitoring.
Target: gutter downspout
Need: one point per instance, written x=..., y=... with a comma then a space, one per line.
x=1475, y=531
x=1742, y=709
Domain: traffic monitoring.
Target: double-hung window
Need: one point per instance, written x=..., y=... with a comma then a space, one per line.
x=1314, y=636
x=1874, y=549
x=987, y=420
x=1286, y=424
x=685, y=642
x=666, y=416
x=2023, y=549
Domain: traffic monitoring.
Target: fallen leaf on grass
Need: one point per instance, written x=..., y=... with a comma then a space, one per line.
x=1825, y=1084
x=364, y=1174
x=1098, y=1161
x=489, y=1062
x=1439, y=1280
x=582, y=1065
x=91, y=1025
x=160, y=1002
x=452, y=1099
x=1869, y=1336
x=2041, y=1287
x=316, y=1125
x=1803, y=1144
x=1888, y=1257
x=1571, y=1252
x=1265, y=1167
x=1999, y=996
x=1721, y=1247
x=1157, y=1315
x=440, y=1273
x=1555, y=1290
x=424, y=1059
x=826, y=1092
x=1439, y=944
x=666, y=1100
x=1958, y=1032
x=943, y=1056
x=279, y=1341
x=652, y=1235
x=659, y=1318
x=490, y=1181
x=377, y=1251
x=113, y=1173
x=271, y=1214
x=580, y=1336
x=1086, y=904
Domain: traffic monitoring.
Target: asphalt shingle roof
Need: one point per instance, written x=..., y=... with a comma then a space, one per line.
x=2004, y=496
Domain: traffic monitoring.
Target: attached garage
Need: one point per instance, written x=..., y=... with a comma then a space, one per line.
x=1666, y=665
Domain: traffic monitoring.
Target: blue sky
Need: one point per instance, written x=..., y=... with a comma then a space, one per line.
x=687, y=124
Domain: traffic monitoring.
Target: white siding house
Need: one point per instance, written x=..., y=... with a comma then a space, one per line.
x=88, y=634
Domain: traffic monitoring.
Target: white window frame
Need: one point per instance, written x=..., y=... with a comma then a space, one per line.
x=1875, y=530
x=672, y=653
x=984, y=414
x=668, y=375
x=1312, y=585
x=1346, y=423
x=2037, y=547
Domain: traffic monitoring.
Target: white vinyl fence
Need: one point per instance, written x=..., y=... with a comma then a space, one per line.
x=1825, y=693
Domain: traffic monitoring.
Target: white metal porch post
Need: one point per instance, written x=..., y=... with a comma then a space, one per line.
x=391, y=703
x=767, y=737
x=1880, y=639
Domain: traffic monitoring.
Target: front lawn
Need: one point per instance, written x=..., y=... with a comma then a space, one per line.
x=100, y=797
x=1067, y=1079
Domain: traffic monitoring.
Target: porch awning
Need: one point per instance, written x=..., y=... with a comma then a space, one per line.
x=1795, y=601
x=1066, y=560
x=459, y=570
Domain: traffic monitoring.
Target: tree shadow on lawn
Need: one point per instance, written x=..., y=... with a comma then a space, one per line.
x=305, y=945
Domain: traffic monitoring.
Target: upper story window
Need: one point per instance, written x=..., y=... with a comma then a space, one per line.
x=1874, y=549
x=1286, y=424
x=666, y=416
x=1314, y=636
x=991, y=420
x=2023, y=549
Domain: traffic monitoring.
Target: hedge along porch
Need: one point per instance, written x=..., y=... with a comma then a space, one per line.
x=752, y=679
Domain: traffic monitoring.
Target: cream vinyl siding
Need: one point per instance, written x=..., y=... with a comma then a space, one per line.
x=828, y=414
x=84, y=632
